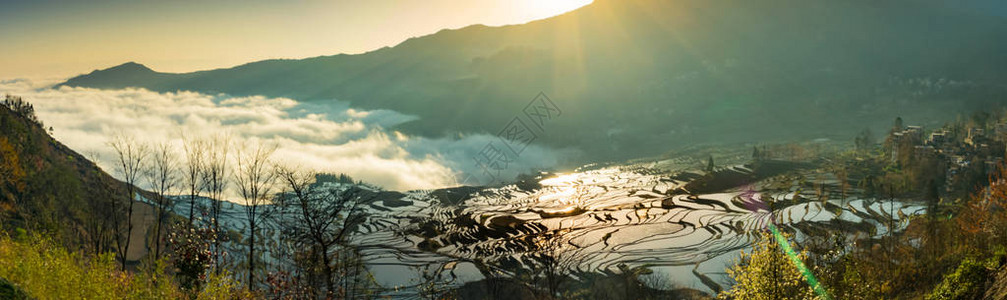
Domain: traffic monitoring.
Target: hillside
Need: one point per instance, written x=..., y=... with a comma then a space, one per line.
x=644, y=75
x=46, y=187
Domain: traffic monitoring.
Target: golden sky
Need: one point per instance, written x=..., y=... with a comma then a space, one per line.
x=63, y=38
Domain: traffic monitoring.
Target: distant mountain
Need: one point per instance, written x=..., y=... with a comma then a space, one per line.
x=635, y=77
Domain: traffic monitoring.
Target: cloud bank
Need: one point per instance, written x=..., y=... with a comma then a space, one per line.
x=329, y=137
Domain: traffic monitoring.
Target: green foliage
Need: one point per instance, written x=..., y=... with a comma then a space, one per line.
x=856, y=285
x=768, y=273
x=153, y=281
x=46, y=271
x=55, y=196
x=321, y=178
x=222, y=287
x=21, y=107
x=968, y=281
x=844, y=275
x=38, y=268
x=930, y=256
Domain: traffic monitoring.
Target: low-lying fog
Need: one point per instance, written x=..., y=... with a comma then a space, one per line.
x=327, y=138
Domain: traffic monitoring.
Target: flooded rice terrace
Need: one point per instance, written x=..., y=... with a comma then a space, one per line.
x=686, y=226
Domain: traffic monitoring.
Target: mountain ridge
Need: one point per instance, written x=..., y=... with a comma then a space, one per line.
x=670, y=70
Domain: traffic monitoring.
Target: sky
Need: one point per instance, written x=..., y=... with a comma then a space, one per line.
x=63, y=38
x=48, y=41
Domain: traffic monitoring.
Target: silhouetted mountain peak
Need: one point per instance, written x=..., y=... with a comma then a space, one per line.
x=127, y=74
x=130, y=67
x=127, y=69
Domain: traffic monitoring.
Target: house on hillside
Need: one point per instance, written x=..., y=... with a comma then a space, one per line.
x=938, y=138
x=975, y=137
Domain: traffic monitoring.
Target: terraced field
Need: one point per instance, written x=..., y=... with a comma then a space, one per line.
x=688, y=226
x=610, y=220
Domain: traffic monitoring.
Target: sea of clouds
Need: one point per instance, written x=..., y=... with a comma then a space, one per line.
x=326, y=137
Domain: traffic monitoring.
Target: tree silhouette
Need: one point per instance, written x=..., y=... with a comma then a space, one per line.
x=132, y=157
x=162, y=178
x=255, y=180
x=215, y=172
x=195, y=154
x=317, y=220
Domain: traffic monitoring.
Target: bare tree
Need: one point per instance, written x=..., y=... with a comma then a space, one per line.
x=555, y=261
x=215, y=183
x=321, y=219
x=131, y=157
x=195, y=154
x=162, y=178
x=98, y=227
x=255, y=179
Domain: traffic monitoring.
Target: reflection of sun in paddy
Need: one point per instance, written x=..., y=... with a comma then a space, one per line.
x=561, y=194
x=561, y=180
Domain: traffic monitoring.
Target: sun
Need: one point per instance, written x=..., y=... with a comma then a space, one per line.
x=547, y=8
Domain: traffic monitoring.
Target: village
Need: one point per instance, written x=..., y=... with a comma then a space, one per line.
x=961, y=153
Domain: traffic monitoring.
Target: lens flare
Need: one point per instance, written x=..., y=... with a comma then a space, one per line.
x=808, y=276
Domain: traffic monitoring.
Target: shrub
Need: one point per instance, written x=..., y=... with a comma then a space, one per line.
x=45, y=270
x=223, y=287
x=192, y=254
x=967, y=282
x=37, y=268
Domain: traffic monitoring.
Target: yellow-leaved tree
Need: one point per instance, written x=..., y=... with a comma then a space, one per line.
x=768, y=273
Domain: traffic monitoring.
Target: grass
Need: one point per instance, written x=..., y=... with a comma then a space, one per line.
x=36, y=267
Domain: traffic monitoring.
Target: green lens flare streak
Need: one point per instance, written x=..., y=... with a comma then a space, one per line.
x=808, y=276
